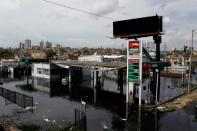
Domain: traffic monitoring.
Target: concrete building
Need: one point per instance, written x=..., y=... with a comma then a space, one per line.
x=38, y=55
x=41, y=45
x=48, y=44
x=41, y=70
x=103, y=58
x=27, y=44
x=21, y=45
x=109, y=58
x=47, y=71
x=94, y=57
x=9, y=63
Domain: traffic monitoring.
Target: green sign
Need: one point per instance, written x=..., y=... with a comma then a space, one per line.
x=25, y=60
x=159, y=65
x=133, y=70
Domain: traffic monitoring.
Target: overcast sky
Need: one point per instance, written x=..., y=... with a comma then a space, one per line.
x=38, y=20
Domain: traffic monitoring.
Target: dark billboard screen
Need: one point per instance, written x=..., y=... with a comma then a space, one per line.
x=140, y=27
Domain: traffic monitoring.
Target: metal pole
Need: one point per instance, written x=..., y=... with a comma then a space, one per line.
x=190, y=66
x=127, y=85
x=157, y=40
x=140, y=75
x=156, y=100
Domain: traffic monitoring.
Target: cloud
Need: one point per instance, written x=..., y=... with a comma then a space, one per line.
x=103, y=7
x=166, y=19
x=9, y=5
x=38, y=20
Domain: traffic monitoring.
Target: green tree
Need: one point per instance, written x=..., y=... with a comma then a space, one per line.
x=6, y=53
x=50, y=54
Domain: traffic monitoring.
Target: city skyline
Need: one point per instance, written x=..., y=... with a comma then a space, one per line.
x=39, y=20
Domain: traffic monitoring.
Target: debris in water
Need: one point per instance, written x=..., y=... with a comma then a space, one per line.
x=123, y=119
x=47, y=120
x=165, y=109
x=105, y=127
x=29, y=108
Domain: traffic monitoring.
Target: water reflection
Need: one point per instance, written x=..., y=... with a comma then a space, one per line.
x=140, y=120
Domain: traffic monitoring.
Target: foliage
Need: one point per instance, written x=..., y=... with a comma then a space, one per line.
x=6, y=53
x=50, y=54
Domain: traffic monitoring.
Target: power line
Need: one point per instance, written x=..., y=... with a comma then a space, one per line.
x=79, y=10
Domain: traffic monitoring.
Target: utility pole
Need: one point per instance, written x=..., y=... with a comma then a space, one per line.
x=190, y=66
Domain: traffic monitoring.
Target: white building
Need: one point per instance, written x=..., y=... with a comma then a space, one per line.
x=94, y=57
x=41, y=70
x=9, y=63
x=108, y=58
x=102, y=58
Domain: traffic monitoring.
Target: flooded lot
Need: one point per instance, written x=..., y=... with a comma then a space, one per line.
x=54, y=105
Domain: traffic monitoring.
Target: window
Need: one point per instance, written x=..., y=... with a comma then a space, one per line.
x=39, y=70
x=46, y=71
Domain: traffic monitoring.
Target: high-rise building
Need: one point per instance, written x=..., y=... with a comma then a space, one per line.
x=21, y=45
x=41, y=44
x=58, y=46
x=48, y=44
x=27, y=44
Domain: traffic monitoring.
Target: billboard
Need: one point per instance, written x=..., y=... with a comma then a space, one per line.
x=140, y=27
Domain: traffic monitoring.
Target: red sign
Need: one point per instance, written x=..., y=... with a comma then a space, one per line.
x=133, y=60
x=134, y=44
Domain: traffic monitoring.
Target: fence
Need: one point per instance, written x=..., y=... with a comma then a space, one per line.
x=17, y=98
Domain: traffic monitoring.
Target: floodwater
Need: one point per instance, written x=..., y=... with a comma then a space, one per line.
x=181, y=120
x=54, y=105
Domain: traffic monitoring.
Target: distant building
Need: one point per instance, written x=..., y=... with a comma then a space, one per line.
x=27, y=44
x=41, y=45
x=58, y=46
x=94, y=57
x=21, y=45
x=48, y=44
x=35, y=47
x=103, y=58
x=38, y=55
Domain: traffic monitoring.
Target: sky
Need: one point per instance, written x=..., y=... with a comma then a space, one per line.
x=39, y=20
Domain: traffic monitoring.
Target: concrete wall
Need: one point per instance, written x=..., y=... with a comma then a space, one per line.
x=41, y=70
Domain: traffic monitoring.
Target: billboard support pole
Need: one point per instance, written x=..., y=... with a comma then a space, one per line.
x=127, y=86
x=157, y=40
x=140, y=75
